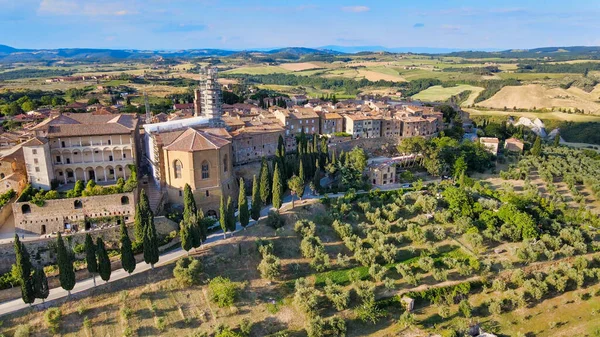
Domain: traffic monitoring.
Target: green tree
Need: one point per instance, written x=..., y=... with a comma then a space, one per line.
x=40, y=284
x=460, y=167
x=277, y=188
x=265, y=183
x=202, y=226
x=191, y=223
x=185, y=236
x=138, y=224
x=315, y=184
x=536, y=150
x=90, y=256
x=127, y=256
x=223, y=292
x=243, y=212
x=230, y=215
x=187, y=271
x=296, y=186
x=23, y=265
x=65, y=265
x=256, y=202
x=151, y=254
x=557, y=140
x=103, y=260
x=223, y=216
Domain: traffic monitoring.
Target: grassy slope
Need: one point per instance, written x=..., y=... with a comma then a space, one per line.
x=439, y=93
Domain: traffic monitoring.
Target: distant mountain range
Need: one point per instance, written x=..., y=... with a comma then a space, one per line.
x=9, y=54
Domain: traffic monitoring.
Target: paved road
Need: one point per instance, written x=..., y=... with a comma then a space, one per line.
x=83, y=285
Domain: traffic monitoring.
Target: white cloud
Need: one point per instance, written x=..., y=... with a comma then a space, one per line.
x=356, y=9
x=58, y=7
x=88, y=8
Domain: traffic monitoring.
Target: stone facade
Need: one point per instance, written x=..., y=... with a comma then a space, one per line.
x=204, y=162
x=72, y=213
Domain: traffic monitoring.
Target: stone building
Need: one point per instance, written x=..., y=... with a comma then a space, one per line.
x=490, y=144
x=331, y=123
x=382, y=174
x=254, y=141
x=204, y=161
x=298, y=119
x=12, y=170
x=514, y=145
x=362, y=126
x=82, y=146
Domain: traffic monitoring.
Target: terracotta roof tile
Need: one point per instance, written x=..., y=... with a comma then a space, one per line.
x=193, y=140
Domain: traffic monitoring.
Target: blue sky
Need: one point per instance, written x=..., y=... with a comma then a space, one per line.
x=245, y=24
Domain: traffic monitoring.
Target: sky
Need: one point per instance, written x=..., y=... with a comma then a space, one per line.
x=253, y=24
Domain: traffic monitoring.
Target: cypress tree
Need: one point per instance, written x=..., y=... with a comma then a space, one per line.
x=90, y=257
x=127, y=257
x=190, y=218
x=202, y=229
x=23, y=264
x=557, y=140
x=230, y=215
x=277, y=188
x=185, y=236
x=265, y=183
x=223, y=216
x=40, y=284
x=103, y=260
x=243, y=211
x=151, y=253
x=256, y=202
x=138, y=224
x=189, y=205
x=301, y=170
x=316, y=181
x=65, y=265
x=536, y=150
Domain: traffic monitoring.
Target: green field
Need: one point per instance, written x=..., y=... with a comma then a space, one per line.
x=439, y=94
x=257, y=70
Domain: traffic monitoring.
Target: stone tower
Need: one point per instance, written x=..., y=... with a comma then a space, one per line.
x=210, y=97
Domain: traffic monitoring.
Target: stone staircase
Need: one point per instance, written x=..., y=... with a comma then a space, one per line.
x=155, y=196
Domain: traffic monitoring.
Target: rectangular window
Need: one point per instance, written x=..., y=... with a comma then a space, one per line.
x=207, y=193
x=34, y=151
x=35, y=160
x=37, y=169
x=124, y=155
x=180, y=193
x=69, y=174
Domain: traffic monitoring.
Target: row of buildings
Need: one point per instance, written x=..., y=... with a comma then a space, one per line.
x=198, y=145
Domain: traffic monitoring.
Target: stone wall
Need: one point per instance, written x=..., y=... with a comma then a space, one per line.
x=76, y=213
x=6, y=211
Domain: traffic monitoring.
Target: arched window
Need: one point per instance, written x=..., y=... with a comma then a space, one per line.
x=77, y=204
x=225, y=163
x=205, y=168
x=26, y=209
x=124, y=200
x=178, y=167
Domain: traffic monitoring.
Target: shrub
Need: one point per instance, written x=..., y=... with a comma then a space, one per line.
x=187, y=271
x=305, y=297
x=368, y=312
x=337, y=295
x=270, y=267
x=223, y=292
x=52, y=318
x=275, y=220
x=23, y=330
